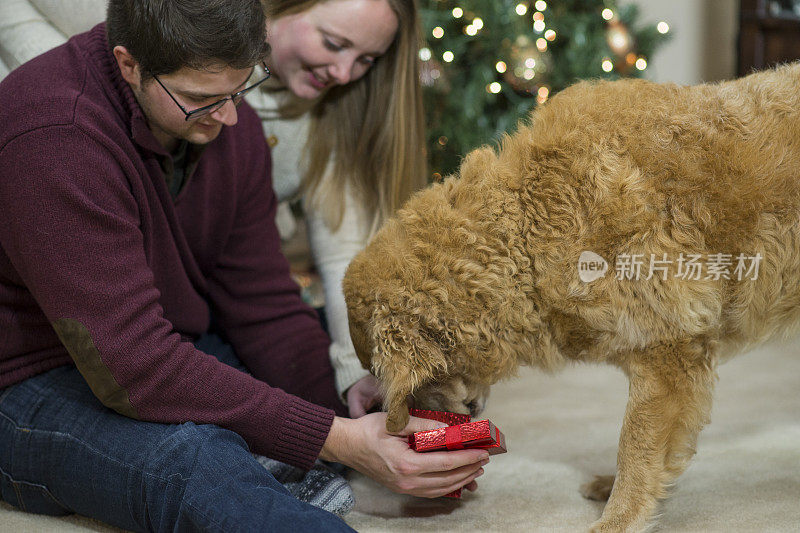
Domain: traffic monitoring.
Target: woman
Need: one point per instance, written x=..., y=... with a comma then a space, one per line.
x=343, y=114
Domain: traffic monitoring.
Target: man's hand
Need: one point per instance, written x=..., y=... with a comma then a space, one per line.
x=365, y=445
x=363, y=395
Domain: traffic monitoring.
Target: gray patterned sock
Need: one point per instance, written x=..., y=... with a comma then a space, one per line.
x=321, y=486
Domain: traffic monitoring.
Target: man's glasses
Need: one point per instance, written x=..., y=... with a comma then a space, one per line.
x=236, y=98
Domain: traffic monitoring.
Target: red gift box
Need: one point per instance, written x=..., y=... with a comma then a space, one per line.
x=481, y=434
x=460, y=434
x=451, y=419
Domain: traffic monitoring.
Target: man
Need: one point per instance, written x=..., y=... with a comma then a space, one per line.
x=135, y=208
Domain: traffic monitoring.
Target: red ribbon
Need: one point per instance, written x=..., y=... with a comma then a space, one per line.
x=453, y=439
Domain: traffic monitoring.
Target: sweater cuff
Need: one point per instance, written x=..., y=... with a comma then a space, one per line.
x=302, y=434
x=347, y=368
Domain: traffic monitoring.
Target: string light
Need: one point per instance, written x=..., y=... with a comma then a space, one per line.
x=541, y=44
x=662, y=27
x=542, y=94
x=619, y=40
x=539, y=26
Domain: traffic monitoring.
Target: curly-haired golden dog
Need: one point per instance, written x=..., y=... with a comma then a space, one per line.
x=484, y=272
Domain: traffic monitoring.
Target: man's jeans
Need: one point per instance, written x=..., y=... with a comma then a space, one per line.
x=63, y=452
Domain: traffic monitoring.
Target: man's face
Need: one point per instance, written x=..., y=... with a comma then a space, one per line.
x=193, y=89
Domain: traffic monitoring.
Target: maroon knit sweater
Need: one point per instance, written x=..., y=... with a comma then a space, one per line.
x=93, y=247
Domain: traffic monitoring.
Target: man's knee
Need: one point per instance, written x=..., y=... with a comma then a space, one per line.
x=197, y=450
x=189, y=465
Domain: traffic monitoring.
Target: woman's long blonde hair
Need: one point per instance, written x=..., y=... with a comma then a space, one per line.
x=370, y=133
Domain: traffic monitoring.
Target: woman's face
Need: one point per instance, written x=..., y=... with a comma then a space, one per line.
x=333, y=43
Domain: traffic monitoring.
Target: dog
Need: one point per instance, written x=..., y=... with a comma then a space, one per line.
x=526, y=257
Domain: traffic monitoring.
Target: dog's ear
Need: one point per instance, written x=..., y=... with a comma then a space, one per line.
x=396, y=403
x=403, y=360
x=360, y=340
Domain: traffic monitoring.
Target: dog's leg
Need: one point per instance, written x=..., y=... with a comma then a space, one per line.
x=669, y=403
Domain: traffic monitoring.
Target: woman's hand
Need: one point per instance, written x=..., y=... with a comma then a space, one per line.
x=363, y=395
x=365, y=445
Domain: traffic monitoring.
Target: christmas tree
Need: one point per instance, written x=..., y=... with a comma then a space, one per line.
x=487, y=63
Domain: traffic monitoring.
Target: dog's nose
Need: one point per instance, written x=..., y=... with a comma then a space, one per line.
x=475, y=408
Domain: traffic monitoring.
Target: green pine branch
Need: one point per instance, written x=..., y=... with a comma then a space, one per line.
x=462, y=110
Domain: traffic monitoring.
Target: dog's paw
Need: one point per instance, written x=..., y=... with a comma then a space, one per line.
x=606, y=525
x=598, y=489
x=603, y=527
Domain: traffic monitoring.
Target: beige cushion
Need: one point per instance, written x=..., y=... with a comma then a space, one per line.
x=4, y=70
x=72, y=16
x=31, y=27
x=24, y=33
x=13, y=12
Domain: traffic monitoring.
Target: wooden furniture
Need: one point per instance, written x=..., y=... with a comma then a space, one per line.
x=769, y=33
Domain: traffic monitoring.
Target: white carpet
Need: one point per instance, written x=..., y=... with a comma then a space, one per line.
x=563, y=429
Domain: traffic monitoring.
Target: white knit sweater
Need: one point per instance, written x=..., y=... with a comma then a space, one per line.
x=31, y=27
x=332, y=250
